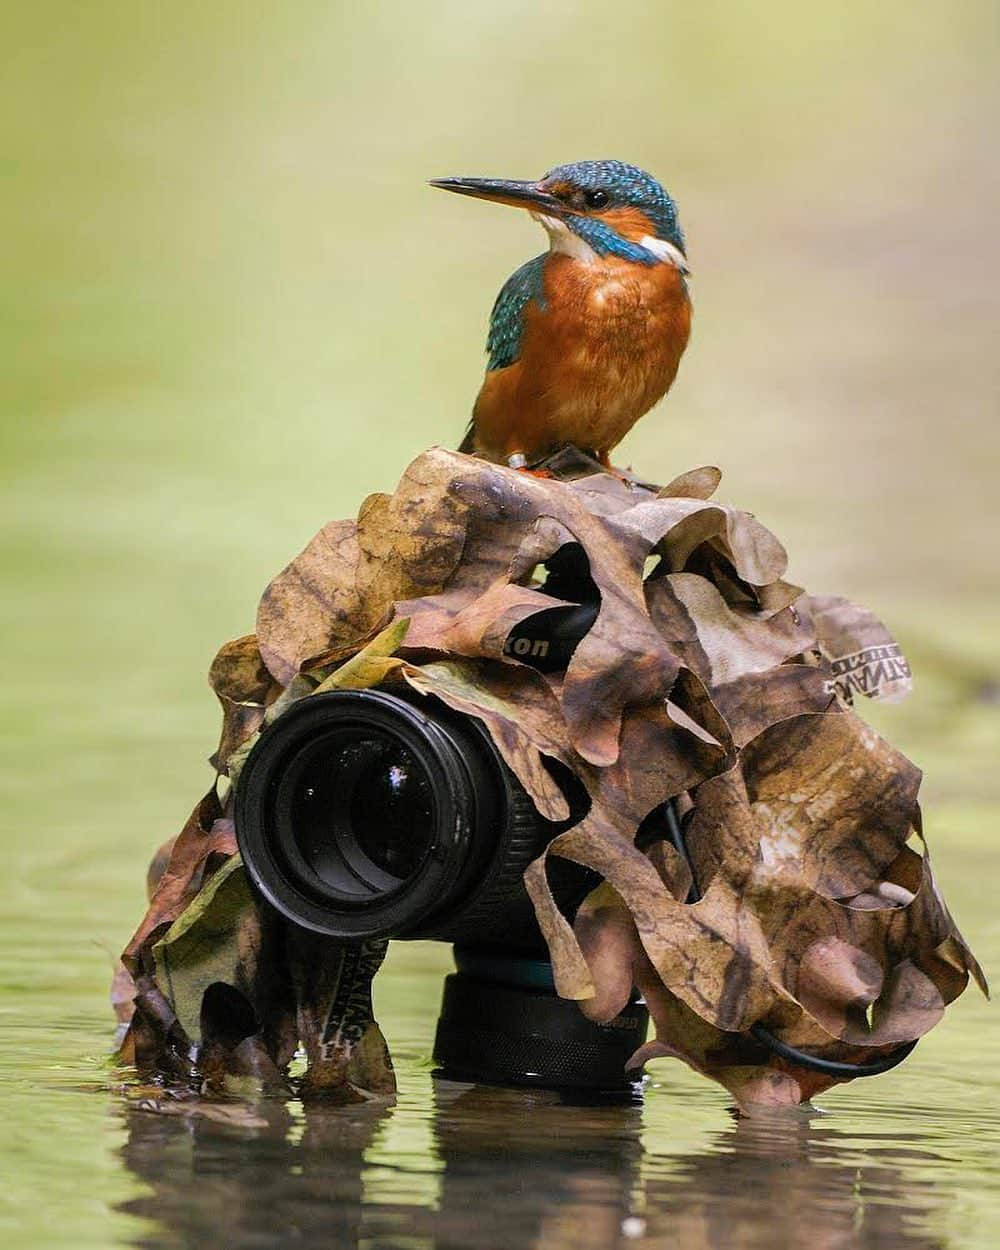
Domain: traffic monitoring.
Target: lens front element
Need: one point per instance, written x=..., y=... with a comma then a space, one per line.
x=391, y=809
x=358, y=813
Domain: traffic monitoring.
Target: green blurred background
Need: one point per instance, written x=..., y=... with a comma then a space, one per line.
x=232, y=308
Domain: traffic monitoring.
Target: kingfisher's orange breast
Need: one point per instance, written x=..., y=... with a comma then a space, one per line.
x=600, y=350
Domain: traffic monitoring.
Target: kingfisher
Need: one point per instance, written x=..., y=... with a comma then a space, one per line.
x=585, y=338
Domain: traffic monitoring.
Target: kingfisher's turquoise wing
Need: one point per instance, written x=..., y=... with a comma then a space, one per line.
x=503, y=343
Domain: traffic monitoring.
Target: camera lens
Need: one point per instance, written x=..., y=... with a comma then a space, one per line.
x=356, y=813
x=369, y=814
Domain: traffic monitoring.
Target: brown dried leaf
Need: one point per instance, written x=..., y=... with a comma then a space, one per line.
x=475, y=627
x=754, y=702
x=345, y=1050
x=736, y=956
x=617, y=961
x=239, y=674
x=604, y=495
x=373, y=662
x=694, y=484
x=205, y=834
x=244, y=686
x=838, y=801
x=756, y=554
x=864, y=657
x=731, y=644
x=658, y=760
x=622, y=658
x=410, y=542
x=518, y=708
x=678, y=526
x=315, y=607
x=621, y=652
x=123, y=994
x=776, y=596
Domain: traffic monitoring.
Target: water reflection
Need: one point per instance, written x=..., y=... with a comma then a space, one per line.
x=502, y=1168
x=793, y=1180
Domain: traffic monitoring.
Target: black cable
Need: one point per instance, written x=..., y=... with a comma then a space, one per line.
x=830, y=1067
x=676, y=831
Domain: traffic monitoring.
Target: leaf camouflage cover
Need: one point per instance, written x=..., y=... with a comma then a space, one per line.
x=706, y=679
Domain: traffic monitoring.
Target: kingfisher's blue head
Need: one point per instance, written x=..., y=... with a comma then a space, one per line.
x=592, y=209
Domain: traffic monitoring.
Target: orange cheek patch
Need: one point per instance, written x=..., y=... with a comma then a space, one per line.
x=630, y=222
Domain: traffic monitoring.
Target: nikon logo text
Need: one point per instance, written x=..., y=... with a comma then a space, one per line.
x=527, y=646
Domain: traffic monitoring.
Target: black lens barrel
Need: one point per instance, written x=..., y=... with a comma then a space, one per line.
x=375, y=814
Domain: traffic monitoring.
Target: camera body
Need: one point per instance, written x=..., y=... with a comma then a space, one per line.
x=367, y=815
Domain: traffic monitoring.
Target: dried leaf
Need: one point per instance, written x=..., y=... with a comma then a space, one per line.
x=520, y=711
x=315, y=606
x=615, y=956
x=410, y=542
x=372, y=664
x=204, y=834
x=694, y=484
x=215, y=939
x=473, y=627
x=839, y=802
x=239, y=675
x=731, y=644
x=678, y=526
x=345, y=1050
x=864, y=657
x=755, y=701
x=244, y=686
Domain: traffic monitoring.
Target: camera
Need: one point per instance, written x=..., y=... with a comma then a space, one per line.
x=369, y=814
x=380, y=814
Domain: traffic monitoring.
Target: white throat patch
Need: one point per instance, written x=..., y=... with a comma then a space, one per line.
x=562, y=239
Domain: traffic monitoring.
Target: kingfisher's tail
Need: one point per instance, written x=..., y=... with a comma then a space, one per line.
x=468, y=443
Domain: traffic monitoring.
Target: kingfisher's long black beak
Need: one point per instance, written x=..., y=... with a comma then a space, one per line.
x=529, y=195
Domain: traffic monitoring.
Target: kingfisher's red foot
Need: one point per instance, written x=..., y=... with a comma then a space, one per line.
x=608, y=467
x=519, y=461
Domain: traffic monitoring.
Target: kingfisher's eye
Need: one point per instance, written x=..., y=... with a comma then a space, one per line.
x=596, y=199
